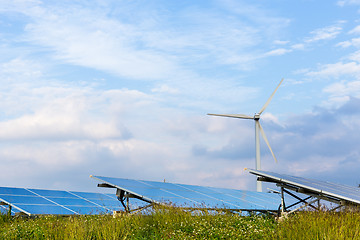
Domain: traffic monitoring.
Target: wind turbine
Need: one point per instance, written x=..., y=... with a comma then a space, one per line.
x=258, y=129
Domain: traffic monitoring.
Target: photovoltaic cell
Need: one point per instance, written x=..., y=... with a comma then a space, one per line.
x=41, y=201
x=333, y=190
x=184, y=195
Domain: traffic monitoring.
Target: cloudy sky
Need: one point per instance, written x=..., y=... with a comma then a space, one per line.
x=122, y=89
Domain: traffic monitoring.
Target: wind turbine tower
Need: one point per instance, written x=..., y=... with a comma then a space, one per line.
x=258, y=129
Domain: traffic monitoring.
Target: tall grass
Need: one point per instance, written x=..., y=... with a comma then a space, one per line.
x=160, y=224
x=176, y=224
x=320, y=225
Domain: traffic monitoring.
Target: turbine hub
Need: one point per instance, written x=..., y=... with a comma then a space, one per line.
x=256, y=116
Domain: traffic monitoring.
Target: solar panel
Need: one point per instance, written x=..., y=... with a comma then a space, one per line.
x=41, y=201
x=183, y=195
x=325, y=190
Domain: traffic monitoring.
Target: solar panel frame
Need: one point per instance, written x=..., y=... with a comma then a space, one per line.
x=324, y=189
x=194, y=196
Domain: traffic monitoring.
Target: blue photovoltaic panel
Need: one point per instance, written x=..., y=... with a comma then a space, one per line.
x=40, y=201
x=183, y=195
x=337, y=191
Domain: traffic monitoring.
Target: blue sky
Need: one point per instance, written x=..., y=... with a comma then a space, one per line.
x=122, y=89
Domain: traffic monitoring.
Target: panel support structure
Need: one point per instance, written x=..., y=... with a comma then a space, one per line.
x=123, y=199
x=283, y=207
x=314, y=190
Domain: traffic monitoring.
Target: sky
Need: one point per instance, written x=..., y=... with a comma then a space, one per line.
x=122, y=88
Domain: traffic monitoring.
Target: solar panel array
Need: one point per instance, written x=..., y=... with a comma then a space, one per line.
x=333, y=190
x=183, y=195
x=40, y=201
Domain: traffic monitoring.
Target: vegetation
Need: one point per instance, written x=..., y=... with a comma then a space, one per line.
x=320, y=225
x=176, y=224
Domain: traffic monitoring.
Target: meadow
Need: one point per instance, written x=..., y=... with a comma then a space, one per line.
x=176, y=224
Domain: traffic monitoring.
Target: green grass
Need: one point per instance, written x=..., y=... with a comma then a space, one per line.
x=320, y=225
x=176, y=224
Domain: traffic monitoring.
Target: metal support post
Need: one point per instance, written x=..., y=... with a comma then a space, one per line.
x=122, y=197
x=283, y=207
x=9, y=211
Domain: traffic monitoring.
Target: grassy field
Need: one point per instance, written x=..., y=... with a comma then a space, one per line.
x=175, y=224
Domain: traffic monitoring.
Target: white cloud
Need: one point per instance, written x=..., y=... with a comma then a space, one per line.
x=353, y=42
x=155, y=46
x=20, y=70
x=165, y=89
x=320, y=34
x=271, y=118
x=278, y=52
x=105, y=45
x=298, y=46
x=342, y=89
x=337, y=70
x=151, y=45
x=348, y=2
x=355, y=56
x=344, y=44
x=280, y=42
x=67, y=114
x=20, y=66
x=325, y=33
x=355, y=30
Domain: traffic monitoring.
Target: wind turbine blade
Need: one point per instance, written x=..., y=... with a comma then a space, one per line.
x=268, y=101
x=267, y=142
x=232, y=115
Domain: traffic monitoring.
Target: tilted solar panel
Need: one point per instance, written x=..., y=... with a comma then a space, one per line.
x=322, y=188
x=40, y=201
x=183, y=195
